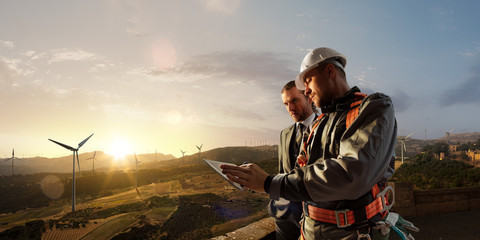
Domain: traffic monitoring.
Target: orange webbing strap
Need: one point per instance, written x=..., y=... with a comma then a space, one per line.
x=375, y=191
x=345, y=218
x=353, y=112
x=305, y=143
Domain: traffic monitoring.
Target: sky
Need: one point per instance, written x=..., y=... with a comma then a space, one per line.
x=168, y=75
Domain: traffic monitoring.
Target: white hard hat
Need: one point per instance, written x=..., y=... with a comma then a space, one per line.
x=315, y=58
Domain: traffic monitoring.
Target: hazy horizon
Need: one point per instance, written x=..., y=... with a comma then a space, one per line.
x=170, y=75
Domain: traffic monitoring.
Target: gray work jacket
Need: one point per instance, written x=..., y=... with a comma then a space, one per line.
x=344, y=164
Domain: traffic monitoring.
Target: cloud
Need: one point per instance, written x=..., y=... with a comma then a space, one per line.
x=8, y=72
x=221, y=6
x=471, y=52
x=61, y=55
x=443, y=18
x=401, y=101
x=236, y=112
x=466, y=92
x=259, y=67
x=29, y=53
x=7, y=44
x=136, y=33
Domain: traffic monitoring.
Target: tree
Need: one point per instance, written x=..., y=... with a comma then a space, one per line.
x=437, y=148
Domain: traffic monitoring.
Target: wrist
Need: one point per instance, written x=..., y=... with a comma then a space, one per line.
x=266, y=183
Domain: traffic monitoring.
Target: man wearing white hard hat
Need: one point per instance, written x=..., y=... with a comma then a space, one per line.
x=346, y=160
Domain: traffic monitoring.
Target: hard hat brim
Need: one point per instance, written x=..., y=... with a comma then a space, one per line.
x=299, y=79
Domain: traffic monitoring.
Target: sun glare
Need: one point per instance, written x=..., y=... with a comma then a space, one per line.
x=119, y=149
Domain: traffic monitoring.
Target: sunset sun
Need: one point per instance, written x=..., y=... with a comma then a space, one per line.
x=119, y=148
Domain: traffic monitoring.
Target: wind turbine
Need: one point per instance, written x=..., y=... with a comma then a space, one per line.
x=199, y=153
x=12, y=158
x=448, y=135
x=136, y=169
x=183, y=155
x=402, y=143
x=93, y=162
x=75, y=152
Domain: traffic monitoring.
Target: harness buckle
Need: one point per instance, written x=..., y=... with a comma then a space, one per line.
x=384, y=198
x=345, y=219
x=364, y=235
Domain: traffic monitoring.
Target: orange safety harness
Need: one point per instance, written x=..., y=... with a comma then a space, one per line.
x=346, y=217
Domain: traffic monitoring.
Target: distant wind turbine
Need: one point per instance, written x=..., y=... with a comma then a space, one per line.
x=183, y=155
x=448, y=135
x=199, y=153
x=402, y=143
x=136, y=170
x=93, y=162
x=12, y=158
x=75, y=153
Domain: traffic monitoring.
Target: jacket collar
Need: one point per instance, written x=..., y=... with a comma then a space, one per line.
x=342, y=103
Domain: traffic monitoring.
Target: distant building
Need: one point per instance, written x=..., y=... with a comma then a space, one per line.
x=474, y=155
x=453, y=148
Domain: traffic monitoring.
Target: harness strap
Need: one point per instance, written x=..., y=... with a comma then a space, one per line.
x=346, y=217
x=351, y=116
x=354, y=108
x=305, y=143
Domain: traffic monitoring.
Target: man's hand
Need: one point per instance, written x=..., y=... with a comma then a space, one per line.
x=249, y=175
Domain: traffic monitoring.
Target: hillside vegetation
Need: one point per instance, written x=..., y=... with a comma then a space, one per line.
x=426, y=172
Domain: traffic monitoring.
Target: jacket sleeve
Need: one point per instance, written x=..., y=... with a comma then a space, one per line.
x=366, y=157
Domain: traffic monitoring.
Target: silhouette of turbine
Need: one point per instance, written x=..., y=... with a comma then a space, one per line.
x=93, y=162
x=402, y=143
x=136, y=170
x=448, y=135
x=75, y=153
x=199, y=153
x=12, y=158
x=183, y=155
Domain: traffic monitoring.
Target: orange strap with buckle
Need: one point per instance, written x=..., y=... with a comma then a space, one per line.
x=346, y=217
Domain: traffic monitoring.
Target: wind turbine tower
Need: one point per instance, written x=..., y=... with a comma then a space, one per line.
x=93, y=162
x=183, y=155
x=199, y=153
x=136, y=170
x=75, y=153
x=403, y=147
x=448, y=136
x=12, y=158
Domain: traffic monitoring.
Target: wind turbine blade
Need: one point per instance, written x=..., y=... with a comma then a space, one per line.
x=78, y=161
x=63, y=145
x=94, y=154
x=410, y=135
x=84, y=141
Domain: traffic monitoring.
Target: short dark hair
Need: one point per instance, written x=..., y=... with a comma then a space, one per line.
x=289, y=86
